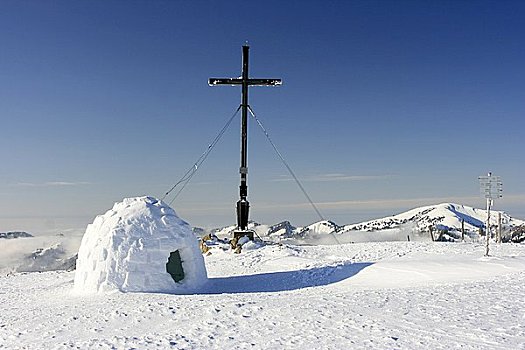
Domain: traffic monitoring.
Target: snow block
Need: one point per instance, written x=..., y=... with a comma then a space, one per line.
x=128, y=249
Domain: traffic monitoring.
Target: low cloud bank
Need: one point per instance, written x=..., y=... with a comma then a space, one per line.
x=41, y=253
x=402, y=233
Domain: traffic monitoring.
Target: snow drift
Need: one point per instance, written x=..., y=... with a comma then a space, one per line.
x=128, y=247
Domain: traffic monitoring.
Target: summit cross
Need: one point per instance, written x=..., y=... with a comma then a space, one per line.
x=243, y=206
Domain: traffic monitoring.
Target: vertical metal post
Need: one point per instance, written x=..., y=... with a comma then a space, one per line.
x=500, y=229
x=491, y=187
x=487, y=233
x=243, y=206
x=244, y=122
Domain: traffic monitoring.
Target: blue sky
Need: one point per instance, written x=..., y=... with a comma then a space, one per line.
x=385, y=106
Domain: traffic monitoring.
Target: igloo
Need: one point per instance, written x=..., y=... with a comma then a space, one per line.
x=140, y=245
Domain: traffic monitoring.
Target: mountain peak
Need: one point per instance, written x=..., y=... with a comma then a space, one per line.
x=15, y=234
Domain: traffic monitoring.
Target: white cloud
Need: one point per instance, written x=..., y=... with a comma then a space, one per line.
x=336, y=177
x=397, y=202
x=51, y=184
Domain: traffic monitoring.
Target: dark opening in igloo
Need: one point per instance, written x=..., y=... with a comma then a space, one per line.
x=174, y=266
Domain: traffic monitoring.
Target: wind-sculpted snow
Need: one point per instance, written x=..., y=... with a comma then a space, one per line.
x=389, y=295
x=283, y=280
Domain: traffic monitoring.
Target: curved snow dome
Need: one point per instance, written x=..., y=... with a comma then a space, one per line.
x=140, y=245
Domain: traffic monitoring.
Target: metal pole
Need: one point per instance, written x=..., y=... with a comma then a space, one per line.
x=487, y=233
x=242, y=205
x=244, y=122
x=500, y=228
x=487, y=230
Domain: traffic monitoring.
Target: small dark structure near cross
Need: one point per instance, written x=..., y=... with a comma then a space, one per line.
x=243, y=206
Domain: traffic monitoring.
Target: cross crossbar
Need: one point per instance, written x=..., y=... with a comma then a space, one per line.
x=239, y=81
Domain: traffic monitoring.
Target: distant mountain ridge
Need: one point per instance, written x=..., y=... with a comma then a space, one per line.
x=444, y=217
x=48, y=259
x=15, y=234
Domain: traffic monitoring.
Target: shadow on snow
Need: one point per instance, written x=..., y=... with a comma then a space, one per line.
x=283, y=281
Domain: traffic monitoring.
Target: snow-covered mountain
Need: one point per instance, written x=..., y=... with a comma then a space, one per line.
x=445, y=216
x=15, y=234
x=283, y=229
x=48, y=259
x=320, y=227
x=440, y=217
x=23, y=252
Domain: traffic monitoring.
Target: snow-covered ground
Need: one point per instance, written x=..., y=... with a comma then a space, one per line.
x=383, y=295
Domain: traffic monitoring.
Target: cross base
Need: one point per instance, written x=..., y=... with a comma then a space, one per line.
x=239, y=234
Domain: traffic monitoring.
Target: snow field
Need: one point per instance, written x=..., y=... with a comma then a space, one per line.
x=277, y=297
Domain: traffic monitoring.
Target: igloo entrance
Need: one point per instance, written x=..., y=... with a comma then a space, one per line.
x=174, y=266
